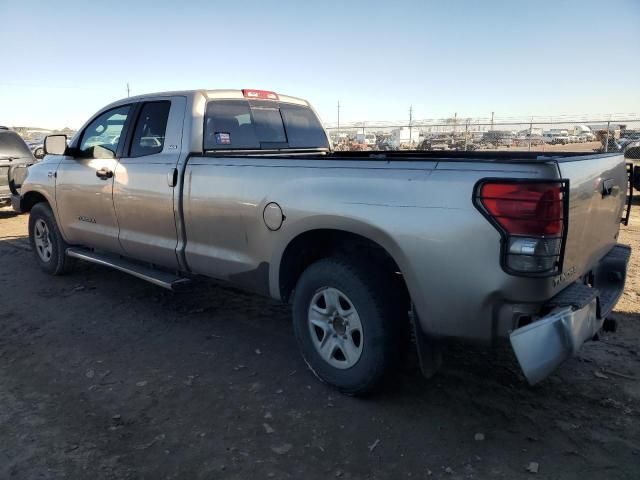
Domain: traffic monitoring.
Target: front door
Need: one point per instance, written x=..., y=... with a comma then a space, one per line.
x=84, y=182
x=145, y=181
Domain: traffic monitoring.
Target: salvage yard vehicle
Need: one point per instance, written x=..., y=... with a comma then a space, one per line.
x=372, y=249
x=498, y=138
x=14, y=155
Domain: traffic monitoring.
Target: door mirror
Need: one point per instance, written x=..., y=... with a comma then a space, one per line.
x=38, y=153
x=55, y=144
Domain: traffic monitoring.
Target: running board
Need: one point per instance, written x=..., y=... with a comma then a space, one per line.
x=157, y=277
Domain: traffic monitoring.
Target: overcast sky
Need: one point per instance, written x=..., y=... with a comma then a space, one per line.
x=63, y=60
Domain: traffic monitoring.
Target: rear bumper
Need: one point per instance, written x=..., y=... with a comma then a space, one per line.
x=576, y=316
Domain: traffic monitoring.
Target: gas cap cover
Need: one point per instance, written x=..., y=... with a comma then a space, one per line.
x=273, y=216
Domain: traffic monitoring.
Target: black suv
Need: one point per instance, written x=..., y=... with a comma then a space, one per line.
x=13, y=153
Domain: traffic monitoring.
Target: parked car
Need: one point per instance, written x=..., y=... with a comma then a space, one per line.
x=555, y=138
x=366, y=246
x=14, y=155
x=498, y=138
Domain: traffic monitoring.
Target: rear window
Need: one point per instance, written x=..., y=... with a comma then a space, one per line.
x=255, y=125
x=303, y=127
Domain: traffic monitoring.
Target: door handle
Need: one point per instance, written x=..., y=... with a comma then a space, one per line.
x=104, y=174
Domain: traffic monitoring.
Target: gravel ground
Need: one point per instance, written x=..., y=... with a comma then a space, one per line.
x=105, y=376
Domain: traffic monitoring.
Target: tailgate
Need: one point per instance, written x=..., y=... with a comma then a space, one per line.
x=597, y=194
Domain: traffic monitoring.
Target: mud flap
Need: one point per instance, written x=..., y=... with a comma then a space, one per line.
x=429, y=351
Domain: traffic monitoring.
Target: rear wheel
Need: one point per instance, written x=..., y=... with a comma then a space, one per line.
x=47, y=243
x=345, y=324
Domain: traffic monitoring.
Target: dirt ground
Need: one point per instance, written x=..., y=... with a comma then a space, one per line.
x=105, y=376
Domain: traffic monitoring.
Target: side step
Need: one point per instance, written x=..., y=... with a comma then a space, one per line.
x=157, y=277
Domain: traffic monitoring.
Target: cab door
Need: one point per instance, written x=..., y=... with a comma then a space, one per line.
x=84, y=182
x=145, y=182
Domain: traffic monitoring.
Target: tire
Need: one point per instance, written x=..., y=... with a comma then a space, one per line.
x=46, y=241
x=367, y=304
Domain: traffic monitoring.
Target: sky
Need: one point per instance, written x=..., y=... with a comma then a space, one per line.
x=64, y=60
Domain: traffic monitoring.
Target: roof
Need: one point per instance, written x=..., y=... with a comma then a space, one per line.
x=209, y=95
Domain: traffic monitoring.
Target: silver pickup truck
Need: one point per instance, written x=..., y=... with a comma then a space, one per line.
x=372, y=249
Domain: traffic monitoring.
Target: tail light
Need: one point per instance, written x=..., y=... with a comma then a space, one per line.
x=531, y=217
x=260, y=94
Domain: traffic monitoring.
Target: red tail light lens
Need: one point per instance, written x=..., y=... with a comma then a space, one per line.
x=531, y=218
x=525, y=208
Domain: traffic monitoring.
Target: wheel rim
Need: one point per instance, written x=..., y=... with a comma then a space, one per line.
x=44, y=248
x=335, y=328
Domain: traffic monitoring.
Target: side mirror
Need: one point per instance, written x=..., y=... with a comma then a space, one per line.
x=55, y=144
x=38, y=153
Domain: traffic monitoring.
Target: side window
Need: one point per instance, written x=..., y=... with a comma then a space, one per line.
x=148, y=137
x=104, y=131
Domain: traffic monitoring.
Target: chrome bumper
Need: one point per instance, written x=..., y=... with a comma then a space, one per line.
x=542, y=346
x=577, y=315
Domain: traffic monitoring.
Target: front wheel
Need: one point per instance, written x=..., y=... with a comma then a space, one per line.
x=46, y=241
x=345, y=324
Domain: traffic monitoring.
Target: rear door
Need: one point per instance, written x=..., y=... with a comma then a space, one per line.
x=597, y=194
x=145, y=181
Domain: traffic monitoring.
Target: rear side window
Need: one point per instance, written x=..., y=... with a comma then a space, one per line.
x=303, y=127
x=239, y=124
x=151, y=127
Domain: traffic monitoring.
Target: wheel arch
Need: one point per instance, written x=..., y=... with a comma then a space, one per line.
x=31, y=198
x=313, y=244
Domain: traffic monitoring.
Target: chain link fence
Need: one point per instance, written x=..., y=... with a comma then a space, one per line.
x=612, y=133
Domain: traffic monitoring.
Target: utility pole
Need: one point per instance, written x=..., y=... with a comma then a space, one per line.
x=128, y=90
x=338, y=118
x=410, y=123
x=492, y=121
x=466, y=134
